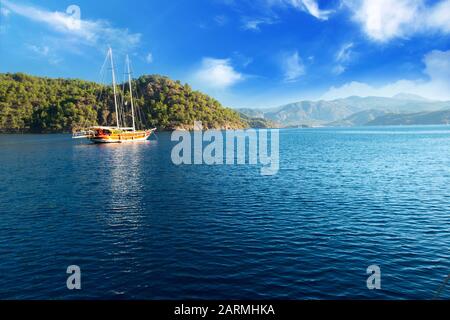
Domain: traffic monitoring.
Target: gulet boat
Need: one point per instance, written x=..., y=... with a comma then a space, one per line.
x=116, y=134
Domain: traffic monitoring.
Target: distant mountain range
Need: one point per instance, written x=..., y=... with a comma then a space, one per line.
x=435, y=117
x=359, y=118
x=356, y=111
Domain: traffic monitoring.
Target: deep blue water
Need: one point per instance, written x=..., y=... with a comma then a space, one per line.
x=140, y=227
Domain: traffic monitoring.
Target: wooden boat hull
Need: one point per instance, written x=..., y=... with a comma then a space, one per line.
x=124, y=137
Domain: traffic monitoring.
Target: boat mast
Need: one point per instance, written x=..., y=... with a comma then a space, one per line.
x=131, y=93
x=114, y=86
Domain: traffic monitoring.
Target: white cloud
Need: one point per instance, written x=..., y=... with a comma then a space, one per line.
x=309, y=6
x=217, y=74
x=343, y=58
x=383, y=20
x=149, y=57
x=344, y=54
x=438, y=17
x=437, y=66
x=255, y=23
x=339, y=69
x=312, y=8
x=436, y=84
x=3, y=24
x=241, y=59
x=221, y=20
x=44, y=52
x=39, y=50
x=292, y=66
x=95, y=33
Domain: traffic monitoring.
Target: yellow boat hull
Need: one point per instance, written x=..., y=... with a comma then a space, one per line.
x=133, y=136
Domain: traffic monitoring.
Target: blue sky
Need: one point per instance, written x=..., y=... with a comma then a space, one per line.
x=245, y=53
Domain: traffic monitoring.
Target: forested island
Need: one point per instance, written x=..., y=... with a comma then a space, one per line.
x=45, y=105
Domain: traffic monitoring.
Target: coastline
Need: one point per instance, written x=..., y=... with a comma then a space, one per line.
x=191, y=129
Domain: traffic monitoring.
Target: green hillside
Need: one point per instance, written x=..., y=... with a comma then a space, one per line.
x=37, y=104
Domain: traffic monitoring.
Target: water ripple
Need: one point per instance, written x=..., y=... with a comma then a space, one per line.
x=140, y=227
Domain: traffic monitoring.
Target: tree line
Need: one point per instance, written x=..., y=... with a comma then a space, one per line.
x=43, y=105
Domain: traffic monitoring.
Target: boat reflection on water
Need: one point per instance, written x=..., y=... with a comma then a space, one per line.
x=120, y=173
x=126, y=182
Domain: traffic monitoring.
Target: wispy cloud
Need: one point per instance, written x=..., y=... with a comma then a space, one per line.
x=221, y=20
x=309, y=6
x=217, y=74
x=343, y=58
x=339, y=69
x=149, y=57
x=43, y=51
x=4, y=11
x=97, y=33
x=435, y=84
x=241, y=59
x=39, y=50
x=384, y=20
x=264, y=12
x=292, y=66
x=380, y=20
x=254, y=24
x=344, y=54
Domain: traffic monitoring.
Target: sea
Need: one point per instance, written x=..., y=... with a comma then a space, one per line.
x=139, y=226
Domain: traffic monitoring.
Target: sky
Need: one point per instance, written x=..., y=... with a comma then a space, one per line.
x=245, y=53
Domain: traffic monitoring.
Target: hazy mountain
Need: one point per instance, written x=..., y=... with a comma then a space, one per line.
x=359, y=118
x=410, y=97
x=310, y=112
x=420, y=118
x=252, y=113
x=325, y=112
x=402, y=103
x=257, y=122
